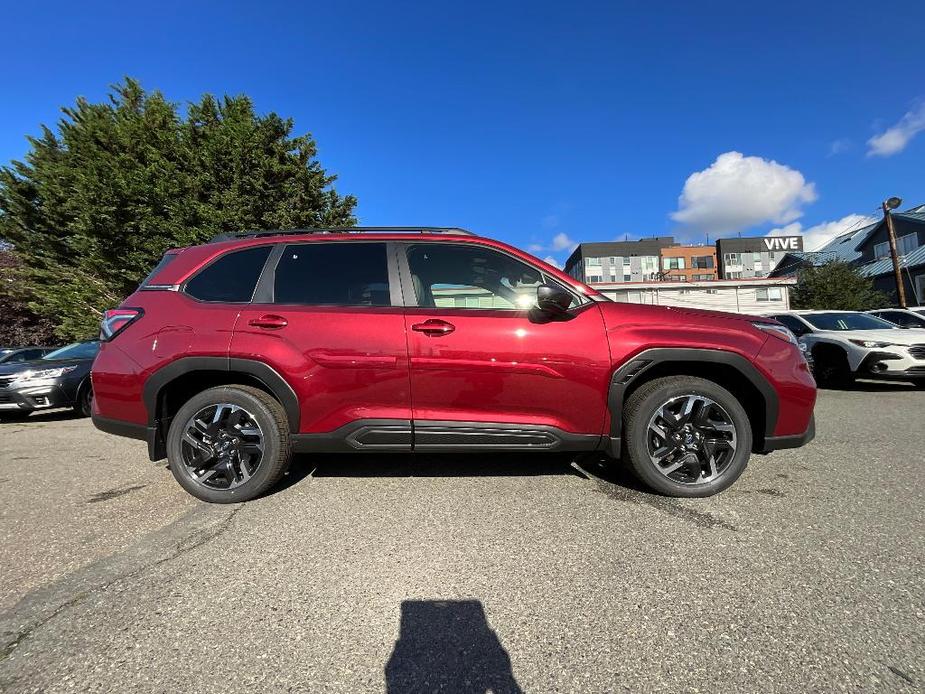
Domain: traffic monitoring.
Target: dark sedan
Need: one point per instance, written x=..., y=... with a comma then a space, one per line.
x=59, y=379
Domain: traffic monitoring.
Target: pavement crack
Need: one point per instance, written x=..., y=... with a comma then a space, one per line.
x=113, y=493
x=185, y=545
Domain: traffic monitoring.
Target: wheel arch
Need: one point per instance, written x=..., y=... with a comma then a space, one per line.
x=727, y=369
x=167, y=389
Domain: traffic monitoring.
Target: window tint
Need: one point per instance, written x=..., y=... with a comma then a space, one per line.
x=157, y=268
x=340, y=274
x=847, y=321
x=795, y=325
x=463, y=277
x=230, y=278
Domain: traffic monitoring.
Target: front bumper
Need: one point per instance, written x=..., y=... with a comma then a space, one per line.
x=776, y=443
x=33, y=397
x=893, y=363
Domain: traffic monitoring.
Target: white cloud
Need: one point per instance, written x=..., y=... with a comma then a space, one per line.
x=736, y=192
x=840, y=146
x=561, y=242
x=818, y=235
x=894, y=139
x=552, y=261
x=536, y=248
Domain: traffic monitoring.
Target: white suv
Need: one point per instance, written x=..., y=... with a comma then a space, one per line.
x=850, y=344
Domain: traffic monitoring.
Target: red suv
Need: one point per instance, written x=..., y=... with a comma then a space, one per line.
x=234, y=354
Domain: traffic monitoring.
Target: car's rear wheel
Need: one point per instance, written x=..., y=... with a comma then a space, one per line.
x=229, y=444
x=686, y=436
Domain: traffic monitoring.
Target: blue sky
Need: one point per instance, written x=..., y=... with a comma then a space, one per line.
x=537, y=123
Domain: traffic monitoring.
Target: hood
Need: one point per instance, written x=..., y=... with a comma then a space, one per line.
x=898, y=336
x=36, y=364
x=678, y=315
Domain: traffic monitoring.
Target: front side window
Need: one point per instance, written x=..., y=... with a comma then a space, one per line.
x=847, y=321
x=333, y=274
x=76, y=350
x=446, y=276
x=232, y=278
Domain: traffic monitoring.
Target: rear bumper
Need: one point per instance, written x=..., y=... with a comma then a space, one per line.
x=775, y=443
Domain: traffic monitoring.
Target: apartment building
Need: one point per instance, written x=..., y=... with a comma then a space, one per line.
x=689, y=263
x=753, y=256
x=618, y=261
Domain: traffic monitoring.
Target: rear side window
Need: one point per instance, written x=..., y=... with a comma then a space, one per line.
x=231, y=278
x=338, y=274
x=157, y=268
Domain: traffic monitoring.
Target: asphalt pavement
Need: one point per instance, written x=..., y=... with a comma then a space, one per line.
x=468, y=574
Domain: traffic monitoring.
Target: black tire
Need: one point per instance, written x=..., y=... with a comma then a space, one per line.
x=643, y=406
x=84, y=404
x=832, y=369
x=271, y=419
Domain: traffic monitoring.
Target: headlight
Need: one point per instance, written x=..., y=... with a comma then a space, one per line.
x=870, y=344
x=37, y=374
x=778, y=331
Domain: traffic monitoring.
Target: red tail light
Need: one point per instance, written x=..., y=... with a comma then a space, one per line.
x=118, y=319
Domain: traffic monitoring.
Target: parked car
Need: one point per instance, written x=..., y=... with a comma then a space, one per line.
x=236, y=353
x=13, y=355
x=61, y=378
x=904, y=318
x=850, y=344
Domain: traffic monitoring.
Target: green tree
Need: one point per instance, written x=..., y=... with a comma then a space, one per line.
x=97, y=202
x=838, y=286
x=19, y=327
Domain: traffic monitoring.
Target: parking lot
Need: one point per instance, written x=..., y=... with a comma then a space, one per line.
x=502, y=574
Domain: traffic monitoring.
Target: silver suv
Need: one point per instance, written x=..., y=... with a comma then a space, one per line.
x=849, y=344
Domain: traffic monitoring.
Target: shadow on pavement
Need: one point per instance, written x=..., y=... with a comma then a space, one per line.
x=448, y=646
x=58, y=415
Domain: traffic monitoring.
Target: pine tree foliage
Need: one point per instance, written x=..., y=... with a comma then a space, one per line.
x=836, y=286
x=96, y=202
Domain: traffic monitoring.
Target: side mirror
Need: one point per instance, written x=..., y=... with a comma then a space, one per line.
x=552, y=299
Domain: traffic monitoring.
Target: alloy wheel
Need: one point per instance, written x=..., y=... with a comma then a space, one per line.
x=691, y=439
x=222, y=446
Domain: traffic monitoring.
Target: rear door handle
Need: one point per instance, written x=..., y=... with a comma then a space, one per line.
x=269, y=321
x=434, y=327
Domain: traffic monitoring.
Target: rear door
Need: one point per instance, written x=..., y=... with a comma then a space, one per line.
x=486, y=370
x=327, y=317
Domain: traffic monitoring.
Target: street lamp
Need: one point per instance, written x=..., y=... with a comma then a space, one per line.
x=888, y=205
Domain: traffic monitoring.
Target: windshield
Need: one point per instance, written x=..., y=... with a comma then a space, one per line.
x=77, y=350
x=847, y=321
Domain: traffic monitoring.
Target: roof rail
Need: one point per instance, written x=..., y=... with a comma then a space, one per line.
x=453, y=231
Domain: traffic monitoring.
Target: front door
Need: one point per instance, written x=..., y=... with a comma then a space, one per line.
x=329, y=321
x=486, y=369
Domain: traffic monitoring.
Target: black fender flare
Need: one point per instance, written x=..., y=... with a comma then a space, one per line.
x=268, y=376
x=645, y=360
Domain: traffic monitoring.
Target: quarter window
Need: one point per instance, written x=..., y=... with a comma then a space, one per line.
x=333, y=274
x=231, y=278
x=448, y=276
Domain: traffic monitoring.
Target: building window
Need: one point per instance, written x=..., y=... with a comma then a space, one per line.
x=732, y=259
x=702, y=261
x=592, y=262
x=649, y=264
x=594, y=278
x=711, y=291
x=613, y=260
x=626, y=261
x=627, y=278
x=906, y=244
x=882, y=250
x=733, y=275
x=756, y=257
x=769, y=294
x=672, y=263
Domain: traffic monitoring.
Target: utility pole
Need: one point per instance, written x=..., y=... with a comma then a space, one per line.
x=888, y=206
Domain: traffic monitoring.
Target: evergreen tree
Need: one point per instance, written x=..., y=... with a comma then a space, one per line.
x=838, y=286
x=96, y=203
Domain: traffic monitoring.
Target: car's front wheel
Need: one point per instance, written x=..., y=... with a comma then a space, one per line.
x=686, y=436
x=229, y=444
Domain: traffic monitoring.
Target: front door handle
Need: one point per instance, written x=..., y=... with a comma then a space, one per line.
x=434, y=327
x=270, y=321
